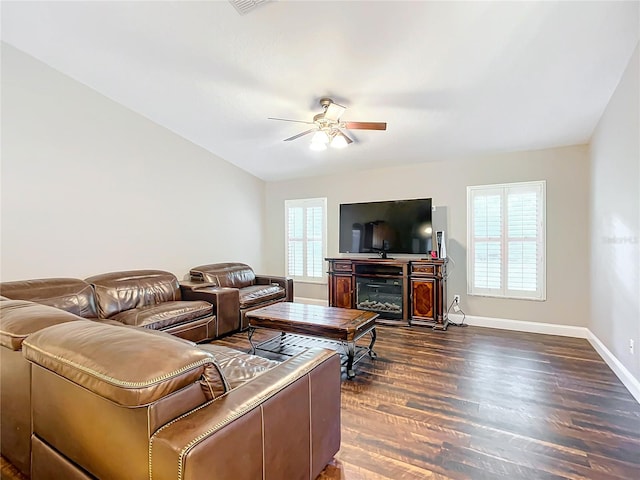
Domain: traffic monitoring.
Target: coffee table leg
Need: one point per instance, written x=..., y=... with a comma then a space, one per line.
x=250, y=333
x=351, y=346
x=372, y=354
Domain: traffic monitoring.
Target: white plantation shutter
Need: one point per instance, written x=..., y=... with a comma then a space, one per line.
x=306, y=238
x=506, y=240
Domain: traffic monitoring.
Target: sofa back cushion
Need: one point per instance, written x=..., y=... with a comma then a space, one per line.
x=21, y=318
x=70, y=294
x=233, y=275
x=129, y=366
x=121, y=291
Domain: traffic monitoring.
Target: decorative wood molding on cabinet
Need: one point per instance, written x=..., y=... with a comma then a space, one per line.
x=403, y=291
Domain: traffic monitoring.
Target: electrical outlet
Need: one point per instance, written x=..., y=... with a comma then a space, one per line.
x=456, y=299
x=631, y=346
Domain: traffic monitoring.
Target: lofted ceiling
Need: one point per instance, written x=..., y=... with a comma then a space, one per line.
x=450, y=78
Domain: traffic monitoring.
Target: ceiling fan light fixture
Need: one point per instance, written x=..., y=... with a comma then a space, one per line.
x=318, y=146
x=320, y=137
x=339, y=141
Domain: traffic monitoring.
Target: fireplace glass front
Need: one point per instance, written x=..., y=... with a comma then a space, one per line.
x=383, y=296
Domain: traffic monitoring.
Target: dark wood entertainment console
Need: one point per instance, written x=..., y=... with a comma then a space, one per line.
x=402, y=291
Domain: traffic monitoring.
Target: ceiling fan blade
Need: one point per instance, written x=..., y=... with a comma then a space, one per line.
x=287, y=120
x=346, y=137
x=334, y=111
x=300, y=134
x=366, y=125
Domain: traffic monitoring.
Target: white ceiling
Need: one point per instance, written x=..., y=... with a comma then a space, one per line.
x=450, y=78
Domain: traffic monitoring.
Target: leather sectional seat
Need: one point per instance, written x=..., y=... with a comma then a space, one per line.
x=20, y=318
x=152, y=299
x=143, y=298
x=111, y=402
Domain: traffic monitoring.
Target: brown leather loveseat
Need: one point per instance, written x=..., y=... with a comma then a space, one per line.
x=159, y=407
x=238, y=288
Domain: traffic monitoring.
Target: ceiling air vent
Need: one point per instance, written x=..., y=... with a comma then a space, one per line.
x=245, y=6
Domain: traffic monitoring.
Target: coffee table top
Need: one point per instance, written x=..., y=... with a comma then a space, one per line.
x=316, y=320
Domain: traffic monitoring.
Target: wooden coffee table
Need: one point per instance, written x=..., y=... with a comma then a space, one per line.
x=336, y=327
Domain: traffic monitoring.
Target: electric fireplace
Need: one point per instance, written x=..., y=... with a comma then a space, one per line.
x=383, y=296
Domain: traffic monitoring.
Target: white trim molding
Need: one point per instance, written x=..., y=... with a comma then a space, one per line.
x=624, y=375
x=628, y=380
x=311, y=301
x=522, y=326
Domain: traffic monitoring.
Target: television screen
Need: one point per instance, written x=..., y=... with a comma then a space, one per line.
x=400, y=226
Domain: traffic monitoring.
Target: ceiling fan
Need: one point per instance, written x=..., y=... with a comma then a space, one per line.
x=328, y=126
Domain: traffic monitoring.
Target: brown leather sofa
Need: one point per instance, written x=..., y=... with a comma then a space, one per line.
x=144, y=298
x=238, y=288
x=159, y=407
x=19, y=319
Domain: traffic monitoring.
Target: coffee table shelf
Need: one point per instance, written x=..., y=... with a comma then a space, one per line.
x=303, y=326
x=290, y=344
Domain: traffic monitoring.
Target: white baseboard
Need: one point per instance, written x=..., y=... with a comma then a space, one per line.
x=625, y=376
x=522, y=326
x=629, y=381
x=311, y=301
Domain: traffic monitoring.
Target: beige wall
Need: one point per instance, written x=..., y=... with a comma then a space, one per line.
x=88, y=186
x=615, y=220
x=566, y=171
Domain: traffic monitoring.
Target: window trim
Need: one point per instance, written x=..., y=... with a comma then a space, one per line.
x=541, y=291
x=306, y=202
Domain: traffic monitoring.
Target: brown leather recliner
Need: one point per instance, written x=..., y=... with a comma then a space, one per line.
x=160, y=408
x=19, y=319
x=238, y=287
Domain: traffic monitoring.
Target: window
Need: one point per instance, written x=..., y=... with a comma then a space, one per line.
x=506, y=240
x=305, y=234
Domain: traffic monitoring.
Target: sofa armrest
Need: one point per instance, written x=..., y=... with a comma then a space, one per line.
x=284, y=423
x=225, y=301
x=284, y=282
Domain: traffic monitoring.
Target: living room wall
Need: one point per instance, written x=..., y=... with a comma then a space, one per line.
x=89, y=186
x=566, y=171
x=615, y=223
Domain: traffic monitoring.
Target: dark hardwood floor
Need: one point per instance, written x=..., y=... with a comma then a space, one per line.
x=478, y=403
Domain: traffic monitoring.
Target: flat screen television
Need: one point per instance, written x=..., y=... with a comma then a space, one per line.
x=390, y=227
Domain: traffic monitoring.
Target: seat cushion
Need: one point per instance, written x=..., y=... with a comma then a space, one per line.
x=238, y=367
x=21, y=318
x=167, y=314
x=257, y=294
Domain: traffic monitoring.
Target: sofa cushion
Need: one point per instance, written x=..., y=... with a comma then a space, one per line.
x=165, y=314
x=238, y=367
x=233, y=275
x=258, y=294
x=21, y=318
x=70, y=294
x=120, y=291
x=129, y=366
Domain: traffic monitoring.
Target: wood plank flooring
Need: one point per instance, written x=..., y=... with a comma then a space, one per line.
x=477, y=403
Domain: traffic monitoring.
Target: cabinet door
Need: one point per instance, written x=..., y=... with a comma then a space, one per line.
x=423, y=299
x=342, y=291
